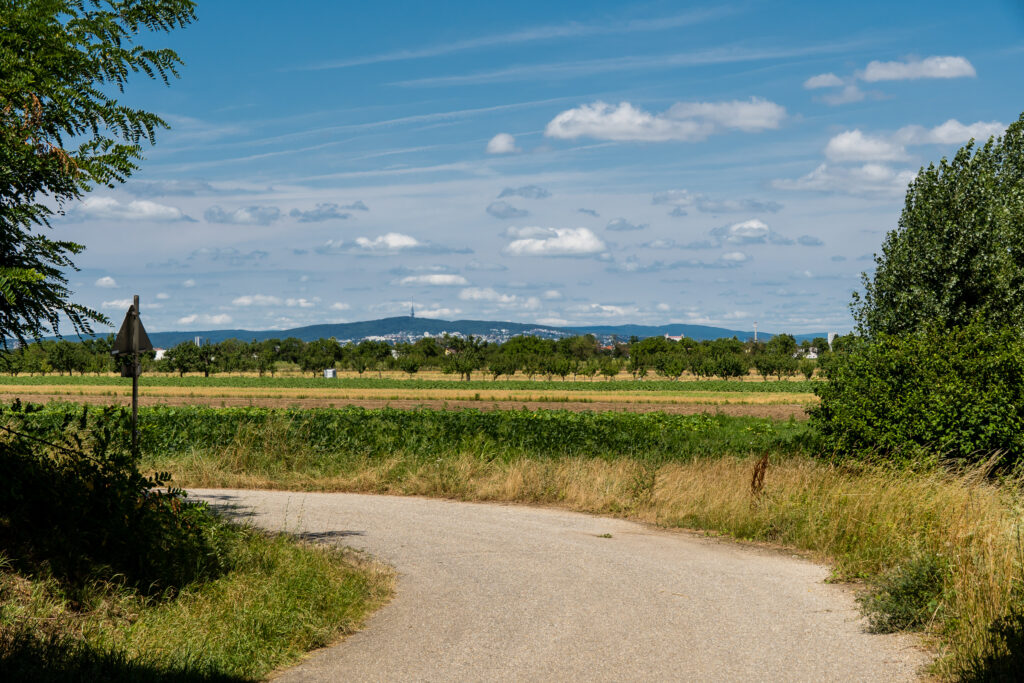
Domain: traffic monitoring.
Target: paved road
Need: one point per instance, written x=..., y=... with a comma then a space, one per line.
x=512, y=593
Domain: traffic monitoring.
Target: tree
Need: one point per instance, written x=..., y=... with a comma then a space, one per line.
x=958, y=250
x=63, y=131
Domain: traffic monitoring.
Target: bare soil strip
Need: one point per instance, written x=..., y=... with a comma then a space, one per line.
x=779, y=411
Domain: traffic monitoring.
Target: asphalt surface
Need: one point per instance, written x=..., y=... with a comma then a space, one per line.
x=511, y=593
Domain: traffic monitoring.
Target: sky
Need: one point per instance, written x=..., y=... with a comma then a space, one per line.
x=562, y=163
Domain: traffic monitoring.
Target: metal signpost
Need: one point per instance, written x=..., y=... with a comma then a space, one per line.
x=130, y=342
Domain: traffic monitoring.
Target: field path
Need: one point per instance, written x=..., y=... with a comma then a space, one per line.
x=497, y=592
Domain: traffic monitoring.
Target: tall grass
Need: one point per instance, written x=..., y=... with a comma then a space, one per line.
x=871, y=523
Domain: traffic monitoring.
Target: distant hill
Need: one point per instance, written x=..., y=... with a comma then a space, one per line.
x=417, y=327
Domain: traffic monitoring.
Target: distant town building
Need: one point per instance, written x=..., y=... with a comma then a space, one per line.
x=330, y=373
x=674, y=338
x=159, y=354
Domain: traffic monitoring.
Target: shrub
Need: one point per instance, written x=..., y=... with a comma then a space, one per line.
x=74, y=505
x=907, y=596
x=956, y=394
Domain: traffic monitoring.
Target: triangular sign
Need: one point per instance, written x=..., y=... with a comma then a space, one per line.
x=124, y=343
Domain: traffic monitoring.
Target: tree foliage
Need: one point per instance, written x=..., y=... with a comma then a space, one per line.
x=64, y=65
x=958, y=251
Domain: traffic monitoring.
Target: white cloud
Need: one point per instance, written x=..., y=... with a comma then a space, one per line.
x=949, y=133
x=673, y=197
x=853, y=145
x=504, y=210
x=683, y=122
x=850, y=93
x=106, y=282
x=621, y=224
x=734, y=257
x=553, y=321
x=109, y=209
x=246, y=215
x=188, y=283
x=205, y=319
x=118, y=303
x=502, y=143
x=526, y=191
x=554, y=242
x=552, y=294
x=753, y=231
x=340, y=306
x=869, y=179
x=257, y=300
x=299, y=303
x=829, y=80
x=434, y=280
x=438, y=312
x=163, y=296
x=486, y=294
x=931, y=67
x=392, y=241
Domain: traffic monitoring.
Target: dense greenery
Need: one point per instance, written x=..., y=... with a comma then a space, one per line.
x=63, y=130
x=958, y=252
x=358, y=432
x=955, y=393
x=575, y=357
x=938, y=372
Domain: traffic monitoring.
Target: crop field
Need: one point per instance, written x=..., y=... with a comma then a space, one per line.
x=779, y=399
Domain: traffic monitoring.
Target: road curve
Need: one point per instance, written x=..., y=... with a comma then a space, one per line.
x=497, y=592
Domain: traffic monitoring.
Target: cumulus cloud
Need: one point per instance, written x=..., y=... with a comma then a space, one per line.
x=705, y=205
x=589, y=212
x=683, y=122
x=188, y=283
x=163, y=296
x=484, y=266
x=142, y=210
x=437, y=312
x=504, y=211
x=246, y=215
x=257, y=300
x=554, y=242
x=502, y=143
x=434, y=280
x=388, y=243
x=850, y=93
x=868, y=179
x=339, y=306
x=853, y=145
x=486, y=294
x=106, y=282
x=829, y=80
x=753, y=231
x=678, y=212
x=809, y=241
x=673, y=197
x=931, y=67
x=949, y=133
x=118, y=303
x=205, y=319
x=526, y=192
x=299, y=303
x=321, y=212
x=621, y=224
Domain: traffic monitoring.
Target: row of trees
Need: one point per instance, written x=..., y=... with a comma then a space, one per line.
x=580, y=356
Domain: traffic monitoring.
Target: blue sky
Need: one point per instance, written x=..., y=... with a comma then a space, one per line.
x=565, y=163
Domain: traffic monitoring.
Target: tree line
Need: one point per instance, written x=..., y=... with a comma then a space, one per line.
x=577, y=357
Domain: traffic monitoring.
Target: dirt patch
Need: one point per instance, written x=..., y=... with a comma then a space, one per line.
x=778, y=411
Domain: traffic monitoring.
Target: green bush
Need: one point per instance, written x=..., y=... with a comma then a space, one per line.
x=952, y=395
x=907, y=596
x=73, y=505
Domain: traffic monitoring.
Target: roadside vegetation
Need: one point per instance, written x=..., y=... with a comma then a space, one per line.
x=106, y=574
x=936, y=550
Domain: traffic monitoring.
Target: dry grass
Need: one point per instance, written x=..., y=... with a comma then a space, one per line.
x=864, y=522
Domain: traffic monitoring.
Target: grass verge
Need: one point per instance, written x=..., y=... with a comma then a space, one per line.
x=939, y=552
x=280, y=599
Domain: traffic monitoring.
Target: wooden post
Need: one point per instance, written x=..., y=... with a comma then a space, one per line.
x=135, y=378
